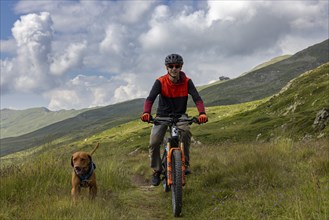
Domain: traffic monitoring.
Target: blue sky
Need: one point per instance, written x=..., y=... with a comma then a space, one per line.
x=78, y=54
x=8, y=17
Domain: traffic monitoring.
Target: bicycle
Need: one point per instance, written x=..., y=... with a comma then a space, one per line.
x=173, y=159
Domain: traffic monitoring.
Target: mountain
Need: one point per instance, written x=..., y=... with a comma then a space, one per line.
x=270, y=62
x=81, y=126
x=299, y=111
x=266, y=81
x=18, y=122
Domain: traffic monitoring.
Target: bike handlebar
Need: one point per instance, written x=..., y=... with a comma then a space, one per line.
x=173, y=120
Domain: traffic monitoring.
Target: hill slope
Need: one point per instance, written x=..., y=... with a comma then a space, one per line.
x=18, y=122
x=270, y=62
x=266, y=81
x=80, y=126
x=290, y=113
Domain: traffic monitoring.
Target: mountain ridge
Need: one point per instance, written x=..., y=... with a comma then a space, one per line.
x=19, y=122
x=268, y=80
x=83, y=125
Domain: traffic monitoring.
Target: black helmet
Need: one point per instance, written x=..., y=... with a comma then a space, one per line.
x=174, y=58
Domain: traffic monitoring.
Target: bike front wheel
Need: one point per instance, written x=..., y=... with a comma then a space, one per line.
x=177, y=187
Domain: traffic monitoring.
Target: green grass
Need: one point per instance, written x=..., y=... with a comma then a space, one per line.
x=281, y=180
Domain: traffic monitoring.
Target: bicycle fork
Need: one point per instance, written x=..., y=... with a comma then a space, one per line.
x=169, y=162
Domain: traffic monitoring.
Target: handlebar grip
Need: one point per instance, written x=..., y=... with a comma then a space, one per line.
x=195, y=120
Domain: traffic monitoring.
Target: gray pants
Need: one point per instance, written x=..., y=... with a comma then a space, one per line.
x=158, y=133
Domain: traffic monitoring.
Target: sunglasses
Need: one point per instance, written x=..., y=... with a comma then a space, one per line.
x=177, y=66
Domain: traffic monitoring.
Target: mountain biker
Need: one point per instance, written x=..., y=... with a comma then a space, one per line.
x=173, y=89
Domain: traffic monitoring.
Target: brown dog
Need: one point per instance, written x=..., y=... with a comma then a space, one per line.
x=83, y=174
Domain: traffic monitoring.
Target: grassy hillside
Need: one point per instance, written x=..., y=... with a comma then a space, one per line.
x=18, y=122
x=290, y=113
x=268, y=80
x=270, y=62
x=282, y=175
x=79, y=127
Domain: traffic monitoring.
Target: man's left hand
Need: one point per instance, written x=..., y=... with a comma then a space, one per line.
x=202, y=118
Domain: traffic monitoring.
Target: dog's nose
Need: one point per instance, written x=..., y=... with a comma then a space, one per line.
x=77, y=168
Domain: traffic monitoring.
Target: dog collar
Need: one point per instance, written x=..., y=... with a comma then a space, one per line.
x=85, y=177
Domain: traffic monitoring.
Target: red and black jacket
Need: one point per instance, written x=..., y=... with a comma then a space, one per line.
x=173, y=96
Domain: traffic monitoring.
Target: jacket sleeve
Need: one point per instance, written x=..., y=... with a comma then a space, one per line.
x=155, y=91
x=196, y=97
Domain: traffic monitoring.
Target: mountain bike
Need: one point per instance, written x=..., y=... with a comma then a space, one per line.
x=173, y=159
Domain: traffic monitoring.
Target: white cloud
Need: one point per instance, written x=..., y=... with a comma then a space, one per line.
x=65, y=99
x=90, y=91
x=88, y=53
x=8, y=46
x=114, y=39
x=72, y=57
x=231, y=10
x=81, y=92
x=28, y=71
x=128, y=89
x=133, y=11
x=6, y=76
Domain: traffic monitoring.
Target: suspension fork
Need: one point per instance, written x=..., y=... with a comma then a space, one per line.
x=169, y=162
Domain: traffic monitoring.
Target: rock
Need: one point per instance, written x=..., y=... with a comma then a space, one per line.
x=321, y=119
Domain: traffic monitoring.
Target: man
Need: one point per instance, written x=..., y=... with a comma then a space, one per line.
x=173, y=89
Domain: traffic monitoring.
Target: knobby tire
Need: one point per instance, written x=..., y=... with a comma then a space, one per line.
x=177, y=188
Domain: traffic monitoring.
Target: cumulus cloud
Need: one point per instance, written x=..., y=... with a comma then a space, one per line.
x=72, y=57
x=114, y=39
x=29, y=69
x=80, y=92
x=87, y=53
x=90, y=91
x=133, y=11
x=128, y=88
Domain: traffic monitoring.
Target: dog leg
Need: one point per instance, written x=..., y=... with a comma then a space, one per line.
x=75, y=187
x=93, y=191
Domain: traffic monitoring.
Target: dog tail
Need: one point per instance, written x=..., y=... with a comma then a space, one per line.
x=93, y=151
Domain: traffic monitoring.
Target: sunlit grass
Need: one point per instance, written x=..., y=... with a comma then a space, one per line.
x=275, y=180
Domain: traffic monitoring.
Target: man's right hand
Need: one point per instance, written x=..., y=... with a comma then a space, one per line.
x=146, y=117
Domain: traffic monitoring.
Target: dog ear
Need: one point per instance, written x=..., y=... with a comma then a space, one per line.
x=90, y=158
x=72, y=161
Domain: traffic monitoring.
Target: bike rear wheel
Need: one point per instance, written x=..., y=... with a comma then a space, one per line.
x=177, y=187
